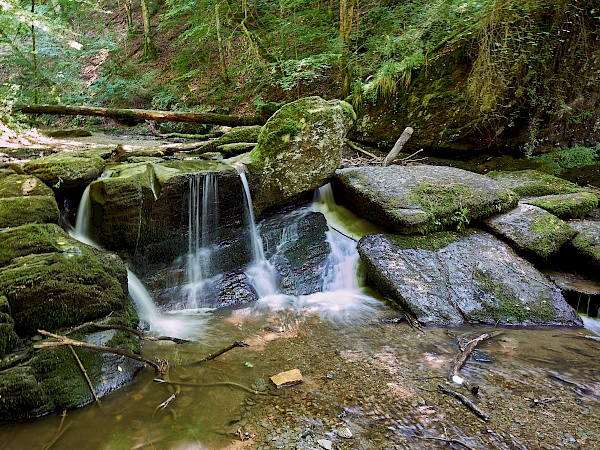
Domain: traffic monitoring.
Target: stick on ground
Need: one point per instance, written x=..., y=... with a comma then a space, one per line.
x=465, y=401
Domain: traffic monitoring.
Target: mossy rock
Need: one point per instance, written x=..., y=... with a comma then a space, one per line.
x=67, y=133
x=17, y=211
x=8, y=337
x=51, y=380
x=533, y=183
x=566, y=206
x=532, y=230
x=234, y=136
x=66, y=169
x=236, y=148
x=420, y=199
x=453, y=278
x=299, y=149
x=65, y=287
x=30, y=239
x=587, y=242
x=16, y=185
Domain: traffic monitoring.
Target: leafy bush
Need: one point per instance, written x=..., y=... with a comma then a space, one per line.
x=568, y=158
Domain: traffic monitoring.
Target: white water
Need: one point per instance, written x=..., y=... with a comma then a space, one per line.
x=82, y=223
x=203, y=223
x=261, y=273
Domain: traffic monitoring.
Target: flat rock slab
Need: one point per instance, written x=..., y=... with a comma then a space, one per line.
x=420, y=199
x=289, y=378
x=66, y=169
x=566, y=206
x=533, y=183
x=452, y=278
x=532, y=230
x=587, y=241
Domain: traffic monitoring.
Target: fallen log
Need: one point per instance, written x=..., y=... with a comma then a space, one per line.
x=143, y=114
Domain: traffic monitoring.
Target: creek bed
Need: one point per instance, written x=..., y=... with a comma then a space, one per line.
x=362, y=374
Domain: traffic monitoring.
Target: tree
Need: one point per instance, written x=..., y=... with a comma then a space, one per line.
x=149, y=48
x=346, y=17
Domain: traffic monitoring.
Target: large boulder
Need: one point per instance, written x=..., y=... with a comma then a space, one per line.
x=67, y=169
x=532, y=230
x=299, y=149
x=420, y=199
x=451, y=278
x=57, y=281
x=25, y=199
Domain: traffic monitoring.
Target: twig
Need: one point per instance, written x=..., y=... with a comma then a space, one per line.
x=85, y=374
x=353, y=146
x=59, y=432
x=461, y=358
x=219, y=383
x=131, y=330
x=447, y=440
x=465, y=401
x=224, y=350
x=406, y=158
x=159, y=366
x=147, y=443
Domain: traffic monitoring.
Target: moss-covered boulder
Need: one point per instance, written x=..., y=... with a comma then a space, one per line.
x=532, y=230
x=51, y=380
x=58, y=281
x=566, y=206
x=67, y=169
x=8, y=337
x=299, y=149
x=237, y=135
x=452, y=278
x=25, y=199
x=533, y=183
x=420, y=199
x=144, y=208
x=587, y=243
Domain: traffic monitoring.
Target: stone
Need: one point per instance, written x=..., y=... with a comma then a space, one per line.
x=289, y=378
x=298, y=150
x=587, y=242
x=25, y=199
x=420, y=199
x=532, y=230
x=68, y=133
x=533, y=183
x=66, y=169
x=453, y=278
x=566, y=206
x=325, y=443
x=235, y=135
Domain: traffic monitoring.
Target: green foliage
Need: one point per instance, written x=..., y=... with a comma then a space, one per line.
x=568, y=158
x=306, y=70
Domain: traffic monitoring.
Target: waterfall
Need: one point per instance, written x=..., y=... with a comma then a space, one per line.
x=82, y=222
x=261, y=273
x=203, y=227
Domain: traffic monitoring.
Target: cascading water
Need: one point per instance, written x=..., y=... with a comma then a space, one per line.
x=261, y=273
x=203, y=227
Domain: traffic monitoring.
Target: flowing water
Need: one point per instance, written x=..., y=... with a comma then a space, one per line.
x=370, y=380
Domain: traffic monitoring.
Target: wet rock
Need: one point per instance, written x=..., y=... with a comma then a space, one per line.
x=299, y=149
x=325, y=443
x=25, y=199
x=66, y=169
x=226, y=142
x=451, y=278
x=288, y=378
x=566, y=206
x=420, y=198
x=587, y=242
x=533, y=183
x=532, y=230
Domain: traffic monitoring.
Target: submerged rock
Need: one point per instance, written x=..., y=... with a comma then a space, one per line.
x=420, y=198
x=532, y=230
x=299, y=149
x=451, y=278
x=566, y=206
x=533, y=183
x=25, y=199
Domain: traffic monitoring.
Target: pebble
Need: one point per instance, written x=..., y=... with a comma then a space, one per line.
x=344, y=432
x=325, y=443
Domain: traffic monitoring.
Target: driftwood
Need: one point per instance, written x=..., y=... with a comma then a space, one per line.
x=403, y=139
x=218, y=383
x=130, y=330
x=461, y=358
x=142, y=114
x=224, y=350
x=465, y=401
x=353, y=146
x=159, y=366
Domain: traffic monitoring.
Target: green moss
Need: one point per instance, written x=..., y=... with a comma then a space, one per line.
x=533, y=183
x=8, y=338
x=27, y=239
x=17, y=211
x=15, y=185
x=568, y=206
x=66, y=169
x=568, y=158
x=432, y=241
x=550, y=233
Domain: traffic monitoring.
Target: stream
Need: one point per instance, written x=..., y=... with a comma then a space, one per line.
x=370, y=381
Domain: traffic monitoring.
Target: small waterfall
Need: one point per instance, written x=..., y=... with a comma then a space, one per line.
x=261, y=273
x=82, y=222
x=203, y=224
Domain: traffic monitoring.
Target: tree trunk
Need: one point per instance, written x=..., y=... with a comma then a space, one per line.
x=346, y=17
x=36, y=94
x=142, y=114
x=149, y=48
